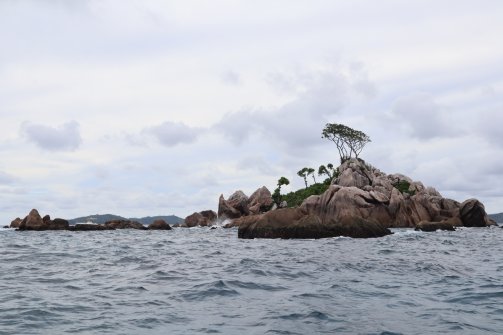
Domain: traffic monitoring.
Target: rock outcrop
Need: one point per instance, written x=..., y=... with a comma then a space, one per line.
x=33, y=221
x=125, y=224
x=473, y=214
x=296, y=223
x=159, y=225
x=360, y=203
x=89, y=227
x=449, y=224
x=260, y=201
x=239, y=204
x=16, y=223
x=203, y=219
x=392, y=200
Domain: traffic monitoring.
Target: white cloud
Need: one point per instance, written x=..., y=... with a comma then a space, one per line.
x=65, y=137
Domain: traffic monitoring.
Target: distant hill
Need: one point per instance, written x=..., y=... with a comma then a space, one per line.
x=497, y=217
x=102, y=218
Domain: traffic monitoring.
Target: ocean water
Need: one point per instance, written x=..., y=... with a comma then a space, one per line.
x=201, y=281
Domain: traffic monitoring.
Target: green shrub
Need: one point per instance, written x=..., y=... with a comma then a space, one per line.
x=403, y=187
x=295, y=198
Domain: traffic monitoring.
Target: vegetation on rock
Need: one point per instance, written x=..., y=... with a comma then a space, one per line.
x=276, y=196
x=349, y=141
x=294, y=199
x=403, y=186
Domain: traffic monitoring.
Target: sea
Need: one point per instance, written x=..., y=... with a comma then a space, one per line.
x=207, y=281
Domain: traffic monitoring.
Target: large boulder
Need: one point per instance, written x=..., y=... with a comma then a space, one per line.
x=194, y=220
x=226, y=211
x=33, y=221
x=260, y=201
x=473, y=214
x=239, y=204
x=239, y=201
x=296, y=223
x=58, y=224
x=125, y=224
x=210, y=215
x=16, y=223
x=159, y=224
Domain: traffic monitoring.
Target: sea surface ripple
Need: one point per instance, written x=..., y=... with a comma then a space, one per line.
x=199, y=281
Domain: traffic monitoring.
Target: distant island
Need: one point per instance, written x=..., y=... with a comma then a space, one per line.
x=496, y=217
x=102, y=218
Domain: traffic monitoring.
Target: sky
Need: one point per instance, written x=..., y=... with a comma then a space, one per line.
x=149, y=107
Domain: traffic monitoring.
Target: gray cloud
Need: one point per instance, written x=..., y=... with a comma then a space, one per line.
x=422, y=117
x=489, y=125
x=172, y=133
x=65, y=137
x=6, y=179
x=231, y=78
x=295, y=125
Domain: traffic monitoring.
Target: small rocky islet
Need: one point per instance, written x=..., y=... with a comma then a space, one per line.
x=362, y=202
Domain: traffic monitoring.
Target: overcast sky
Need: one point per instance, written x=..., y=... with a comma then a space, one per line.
x=147, y=107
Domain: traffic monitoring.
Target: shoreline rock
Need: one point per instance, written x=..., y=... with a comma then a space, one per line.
x=362, y=197
x=239, y=205
x=125, y=224
x=203, y=219
x=287, y=223
x=159, y=224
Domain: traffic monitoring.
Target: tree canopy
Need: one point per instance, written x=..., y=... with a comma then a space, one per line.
x=276, y=196
x=303, y=173
x=350, y=142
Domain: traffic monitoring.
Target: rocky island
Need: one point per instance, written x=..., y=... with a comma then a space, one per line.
x=361, y=202
x=356, y=200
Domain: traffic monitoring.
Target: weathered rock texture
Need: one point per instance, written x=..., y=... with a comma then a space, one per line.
x=33, y=221
x=392, y=200
x=16, y=223
x=239, y=204
x=203, y=219
x=360, y=202
x=159, y=224
x=296, y=223
x=125, y=224
x=89, y=227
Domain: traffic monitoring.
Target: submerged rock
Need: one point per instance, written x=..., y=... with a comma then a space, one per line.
x=89, y=227
x=448, y=224
x=125, y=224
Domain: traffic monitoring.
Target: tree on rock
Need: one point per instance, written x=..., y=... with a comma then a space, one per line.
x=329, y=171
x=349, y=142
x=303, y=173
x=276, y=196
x=310, y=171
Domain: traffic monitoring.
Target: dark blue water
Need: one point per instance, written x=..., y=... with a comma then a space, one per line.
x=190, y=281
